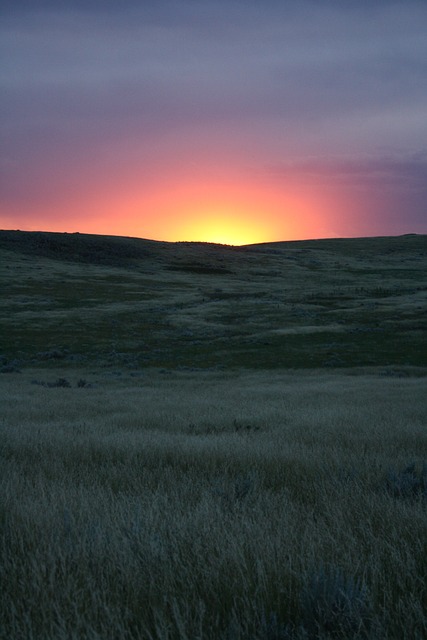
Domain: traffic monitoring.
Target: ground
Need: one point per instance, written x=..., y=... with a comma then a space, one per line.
x=208, y=442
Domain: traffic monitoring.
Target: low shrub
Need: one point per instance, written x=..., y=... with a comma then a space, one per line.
x=334, y=605
x=410, y=482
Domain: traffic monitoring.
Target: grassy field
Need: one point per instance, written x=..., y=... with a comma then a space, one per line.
x=130, y=303
x=213, y=443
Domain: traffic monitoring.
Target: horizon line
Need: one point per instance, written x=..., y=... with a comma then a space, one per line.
x=207, y=242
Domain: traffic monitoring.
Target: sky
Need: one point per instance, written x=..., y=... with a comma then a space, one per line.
x=233, y=121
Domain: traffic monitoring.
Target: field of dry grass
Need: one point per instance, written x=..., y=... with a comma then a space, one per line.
x=213, y=443
x=268, y=505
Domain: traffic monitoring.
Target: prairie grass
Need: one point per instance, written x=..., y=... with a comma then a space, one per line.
x=135, y=303
x=212, y=505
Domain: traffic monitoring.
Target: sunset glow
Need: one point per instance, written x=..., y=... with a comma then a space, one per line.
x=218, y=213
x=224, y=227
x=172, y=121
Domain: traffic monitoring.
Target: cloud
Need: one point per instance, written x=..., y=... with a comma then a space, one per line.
x=368, y=194
x=89, y=66
x=408, y=173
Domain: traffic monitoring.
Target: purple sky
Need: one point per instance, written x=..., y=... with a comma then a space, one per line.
x=114, y=102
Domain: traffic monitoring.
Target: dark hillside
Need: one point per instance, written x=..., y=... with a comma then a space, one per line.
x=136, y=303
x=79, y=247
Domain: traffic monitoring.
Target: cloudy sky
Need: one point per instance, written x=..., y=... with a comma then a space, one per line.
x=223, y=120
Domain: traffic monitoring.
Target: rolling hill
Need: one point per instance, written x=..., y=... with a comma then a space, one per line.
x=135, y=303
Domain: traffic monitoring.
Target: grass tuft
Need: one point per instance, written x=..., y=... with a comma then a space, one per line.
x=410, y=482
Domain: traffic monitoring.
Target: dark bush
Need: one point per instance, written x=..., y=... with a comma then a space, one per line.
x=9, y=368
x=83, y=384
x=61, y=382
x=52, y=354
x=334, y=605
x=272, y=629
x=408, y=483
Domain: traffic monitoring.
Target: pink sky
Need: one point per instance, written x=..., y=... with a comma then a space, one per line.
x=233, y=122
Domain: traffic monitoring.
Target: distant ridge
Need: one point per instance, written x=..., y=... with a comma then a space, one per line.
x=78, y=247
x=123, y=251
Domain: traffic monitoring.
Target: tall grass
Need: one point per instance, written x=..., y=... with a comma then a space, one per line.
x=207, y=506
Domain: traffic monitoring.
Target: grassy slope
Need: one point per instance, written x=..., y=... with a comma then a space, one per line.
x=137, y=303
x=155, y=502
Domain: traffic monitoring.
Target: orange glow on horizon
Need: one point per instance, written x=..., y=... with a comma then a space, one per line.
x=227, y=210
x=221, y=224
x=218, y=213
x=221, y=228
